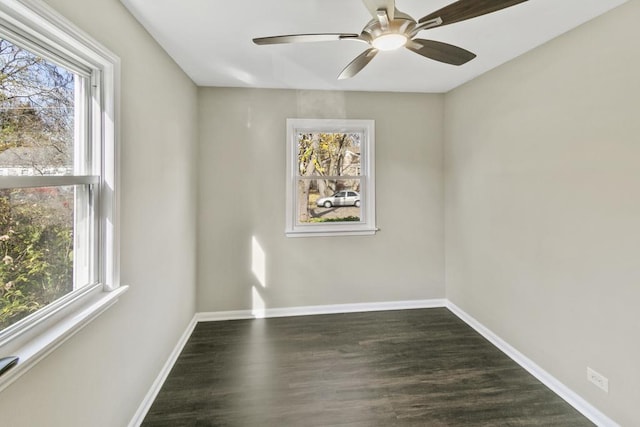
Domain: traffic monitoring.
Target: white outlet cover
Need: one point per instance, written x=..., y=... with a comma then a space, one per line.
x=598, y=379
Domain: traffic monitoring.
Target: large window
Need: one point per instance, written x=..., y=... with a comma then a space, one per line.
x=47, y=180
x=330, y=177
x=58, y=204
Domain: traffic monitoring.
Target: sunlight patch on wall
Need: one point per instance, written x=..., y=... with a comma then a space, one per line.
x=257, y=304
x=258, y=262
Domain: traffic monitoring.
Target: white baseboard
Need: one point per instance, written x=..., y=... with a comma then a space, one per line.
x=572, y=398
x=151, y=395
x=319, y=309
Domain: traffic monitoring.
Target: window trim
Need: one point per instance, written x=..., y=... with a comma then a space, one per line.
x=41, y=26
x=367, y=226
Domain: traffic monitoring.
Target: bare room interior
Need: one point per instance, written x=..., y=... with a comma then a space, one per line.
x=505, y=187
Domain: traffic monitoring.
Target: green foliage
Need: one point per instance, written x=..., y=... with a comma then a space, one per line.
x=36, y=225
x=37, y=259
x=345, y=219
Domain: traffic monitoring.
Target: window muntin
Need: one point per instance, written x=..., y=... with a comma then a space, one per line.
x=330, y=183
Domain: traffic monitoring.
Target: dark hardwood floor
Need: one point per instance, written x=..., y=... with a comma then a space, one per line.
x=394, y=368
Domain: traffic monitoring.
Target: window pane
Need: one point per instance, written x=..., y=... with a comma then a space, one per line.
x=36, y=114
x=325, y=200
x=37, y=249
x=329, y=154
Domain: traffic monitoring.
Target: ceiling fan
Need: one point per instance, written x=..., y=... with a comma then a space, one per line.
x=391, y=29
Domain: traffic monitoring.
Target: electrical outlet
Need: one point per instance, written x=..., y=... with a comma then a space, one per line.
x=598, y=379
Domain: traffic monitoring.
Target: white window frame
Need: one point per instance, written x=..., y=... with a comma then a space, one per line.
x=42, y=30
x=367, y=224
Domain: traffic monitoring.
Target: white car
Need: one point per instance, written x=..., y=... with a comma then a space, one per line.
x=340, y=198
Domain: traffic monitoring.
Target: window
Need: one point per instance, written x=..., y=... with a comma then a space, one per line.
x=330, y=177
x=58, y=198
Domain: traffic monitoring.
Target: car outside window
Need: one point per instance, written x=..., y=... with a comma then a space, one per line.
x=330, y=177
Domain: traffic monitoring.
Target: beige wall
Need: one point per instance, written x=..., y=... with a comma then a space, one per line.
x=100, y=376
x=542, y=172
x=242, y=197
x=542, y=214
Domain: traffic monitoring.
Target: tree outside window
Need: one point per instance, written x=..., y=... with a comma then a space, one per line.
x=330, y=177
x=36, y=223
x=322, y=158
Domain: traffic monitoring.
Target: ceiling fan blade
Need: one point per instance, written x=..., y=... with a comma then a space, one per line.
x=442, y=52
x=374, y=5
x=358, y=64
x=304, y=38
x=467, y=9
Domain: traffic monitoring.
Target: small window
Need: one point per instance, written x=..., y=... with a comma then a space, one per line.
x=330, y=177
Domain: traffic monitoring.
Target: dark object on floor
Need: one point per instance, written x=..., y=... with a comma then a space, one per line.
x=394, y=368
x=7, y=363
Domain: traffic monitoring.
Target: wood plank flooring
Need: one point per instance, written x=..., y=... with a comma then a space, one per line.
x=394, y=368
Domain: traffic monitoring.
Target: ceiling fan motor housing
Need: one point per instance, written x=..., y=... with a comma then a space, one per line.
x=401, y=24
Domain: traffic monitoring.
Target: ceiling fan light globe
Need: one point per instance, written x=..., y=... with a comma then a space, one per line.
x=389, y=41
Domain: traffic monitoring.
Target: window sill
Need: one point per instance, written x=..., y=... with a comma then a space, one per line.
x=329, y=233
x=36, y=344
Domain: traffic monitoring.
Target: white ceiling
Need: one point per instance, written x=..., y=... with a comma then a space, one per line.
x=211, y=41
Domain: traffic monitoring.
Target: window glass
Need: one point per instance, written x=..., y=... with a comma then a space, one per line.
x=36, y=114
x=45, y=229
x=36, y=246
x=331, y=187
x=329, y=153
x=316, y=208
